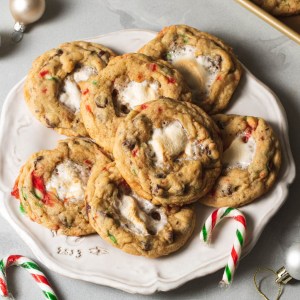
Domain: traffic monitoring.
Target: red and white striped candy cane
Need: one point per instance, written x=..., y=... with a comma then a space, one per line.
x=240, y=234
x=32, y=268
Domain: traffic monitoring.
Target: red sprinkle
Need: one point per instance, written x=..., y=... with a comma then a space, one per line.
x=160, y=110
x=134, y=152
x=247, y=134
x=85, y=92
x=47, y=199
x=44, y=90
x=171, y=80
x=88, y=108
x=44, y=73
x=153, y=67
x=219, y=78
x=38, y=183
x=15, y=192
x=144, y=106
x=88, y=162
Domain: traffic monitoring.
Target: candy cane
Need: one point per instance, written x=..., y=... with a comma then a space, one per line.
x=206, y=232
x=32, y=268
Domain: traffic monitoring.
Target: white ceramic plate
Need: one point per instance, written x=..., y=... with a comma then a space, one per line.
x=90, y=258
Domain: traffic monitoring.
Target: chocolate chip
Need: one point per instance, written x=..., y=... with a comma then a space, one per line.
x=220, y=124
x=129, y=144
x=100, y=53
x=50, y=124
x=124, y=109
x=39, y=158
x=151, y=232
x=160, y=175
x=186, y=189
x=155, y=215
x=101, y=101
x=78, y=65
x=66, y=220
x=229, y=190
x=206, y=151
x=59, y=52
x=146, y=245
x=104, y=56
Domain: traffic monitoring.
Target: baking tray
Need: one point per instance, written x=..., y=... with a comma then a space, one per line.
x=290, y=26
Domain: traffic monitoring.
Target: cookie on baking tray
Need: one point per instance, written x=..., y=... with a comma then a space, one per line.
x=128, y=80
x=280, y=7
x=251, y=161
x=53, y=87
x=209, y=66
x=131, y=223
x=168, y=151
x=52, y=183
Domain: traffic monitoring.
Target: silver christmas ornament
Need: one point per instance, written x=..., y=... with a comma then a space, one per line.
x=25, y=12
x=292, y=269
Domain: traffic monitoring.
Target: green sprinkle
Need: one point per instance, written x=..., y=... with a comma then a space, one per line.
x=112, y=237
x=54, y=78
x=134, y=172
x=185, y=38
x=169, y=56
x=22, y=210
x=95, y=82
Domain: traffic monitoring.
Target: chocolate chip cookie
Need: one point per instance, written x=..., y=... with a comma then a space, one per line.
x=54, y=84
x=131, y=223
x=168, y=151
x=280, y=7
x=52, y=183
x=251, y=161
x=209, y=66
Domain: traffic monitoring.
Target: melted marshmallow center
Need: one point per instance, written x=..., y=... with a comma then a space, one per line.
x=137, y=93
x=140, y=216
x=68, y=181
x=239, y=154
x=168, y=141
x=71, y=97
x=200, y=71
